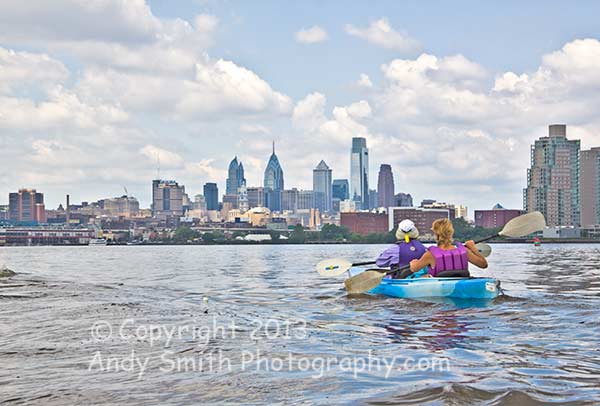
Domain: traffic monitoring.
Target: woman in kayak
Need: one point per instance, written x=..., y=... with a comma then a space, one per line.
x=448, y=259
x=406, y=249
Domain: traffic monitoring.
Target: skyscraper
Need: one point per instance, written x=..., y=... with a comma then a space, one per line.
x=340, y=189
x=359, y=172
x=553, y=179
x=26, y=205
x=385, y=186
x=235, y=177
x=167, y=198
x=322, y=186
x=211, y=195
x=273, y=182
x=256, y=197
x=403, y=200
x=590, y=187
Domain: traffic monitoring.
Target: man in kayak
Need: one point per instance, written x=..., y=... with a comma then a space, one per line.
x=406, y=249
x=448, y=259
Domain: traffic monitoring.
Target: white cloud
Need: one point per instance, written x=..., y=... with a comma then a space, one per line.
x=364, y=81
x=311, y=35
x=255, y=129
x=381, y=33
x=25, y=69
x=162, y=157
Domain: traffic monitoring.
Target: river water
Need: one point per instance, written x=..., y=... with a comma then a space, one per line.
x=257, y=325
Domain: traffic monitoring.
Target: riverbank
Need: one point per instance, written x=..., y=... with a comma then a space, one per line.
x=285, y=242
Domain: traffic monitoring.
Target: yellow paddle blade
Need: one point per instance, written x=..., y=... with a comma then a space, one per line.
x=333, y=267
x=524, y=225
x=364, y=281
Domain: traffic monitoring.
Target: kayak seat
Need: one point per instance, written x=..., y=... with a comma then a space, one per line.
x=455, y=273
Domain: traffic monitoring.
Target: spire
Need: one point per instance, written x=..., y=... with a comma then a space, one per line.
x=273, y=147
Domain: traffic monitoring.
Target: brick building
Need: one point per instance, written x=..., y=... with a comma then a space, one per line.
x=365, y=223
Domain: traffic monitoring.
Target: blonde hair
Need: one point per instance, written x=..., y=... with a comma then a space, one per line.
x=443, y=231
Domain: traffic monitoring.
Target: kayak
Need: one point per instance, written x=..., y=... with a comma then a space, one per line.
x=457, y=288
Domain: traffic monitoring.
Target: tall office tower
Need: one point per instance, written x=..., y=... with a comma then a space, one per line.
x=359, y=172
x=403, y=200
x=211, y=195
x=26, y=205
x=167, y=198
x=235, y=177
x=340, y=189
x=553, y=179
x=322, y=186
x=273, y=183
x=256, y=197
x=589, y=187
x=385, y=186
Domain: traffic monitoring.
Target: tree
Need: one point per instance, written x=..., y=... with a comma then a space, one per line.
x=184, y=234
x=298, y=236
x=331, y=232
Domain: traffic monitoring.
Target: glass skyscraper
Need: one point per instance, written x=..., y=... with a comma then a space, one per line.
x=211, y=195
x=385, y=186
x=235, y=177
x=340, y=189
x=273, y=183
x=322, y=186
x=359, y=172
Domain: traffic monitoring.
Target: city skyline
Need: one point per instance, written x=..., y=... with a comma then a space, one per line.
x=178, y=88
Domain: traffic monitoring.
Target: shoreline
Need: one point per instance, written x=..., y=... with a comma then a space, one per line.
x=171, y=243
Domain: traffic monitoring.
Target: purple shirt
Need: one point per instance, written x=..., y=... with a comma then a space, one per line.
x=400, y=254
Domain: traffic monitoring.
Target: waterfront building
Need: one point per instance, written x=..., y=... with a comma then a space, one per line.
x=432, y=204
x=26, y=206
x=340, y=189
x=553, y=179
x=211, y=194
x=46, y=236
x=497, y=217
x=256, y=197
x=167, y=198
x=403, y=200
x=322, y=186
x=365, y=223
x=385, y=186
x=359, y=172
x=590, y=187
x=273, y=183
x=124, y=206
x=422, y=217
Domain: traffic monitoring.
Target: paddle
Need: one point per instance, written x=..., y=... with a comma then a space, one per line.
x=337, y=266
x=517, y=227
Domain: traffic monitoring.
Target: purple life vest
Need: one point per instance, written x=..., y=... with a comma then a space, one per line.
x=449, y=260
x=409, y=251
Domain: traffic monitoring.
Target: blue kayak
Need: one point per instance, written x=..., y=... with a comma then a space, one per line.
x=457, y=288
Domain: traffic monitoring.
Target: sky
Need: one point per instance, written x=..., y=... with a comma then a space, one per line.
x=98, y=96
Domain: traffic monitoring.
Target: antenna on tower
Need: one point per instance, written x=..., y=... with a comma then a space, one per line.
x=157, y=166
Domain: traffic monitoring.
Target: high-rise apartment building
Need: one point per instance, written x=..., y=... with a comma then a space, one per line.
x=211, y=195
x=590, y=187
x=403, y=200
x=322, y=186
x=359, y=172
x=553, y=179
x=26, y=206
x=385, y=186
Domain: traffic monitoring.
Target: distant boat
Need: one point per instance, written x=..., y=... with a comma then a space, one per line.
x=537, y=242
x=98, y=241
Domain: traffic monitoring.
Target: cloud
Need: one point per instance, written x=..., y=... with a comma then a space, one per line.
x=364, y=81
x=311, y=35
x=162, y=157
x=26, y=69
x=381, y=33
x=255, y=129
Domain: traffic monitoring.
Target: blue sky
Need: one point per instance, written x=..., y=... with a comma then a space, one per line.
x=451, y=94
